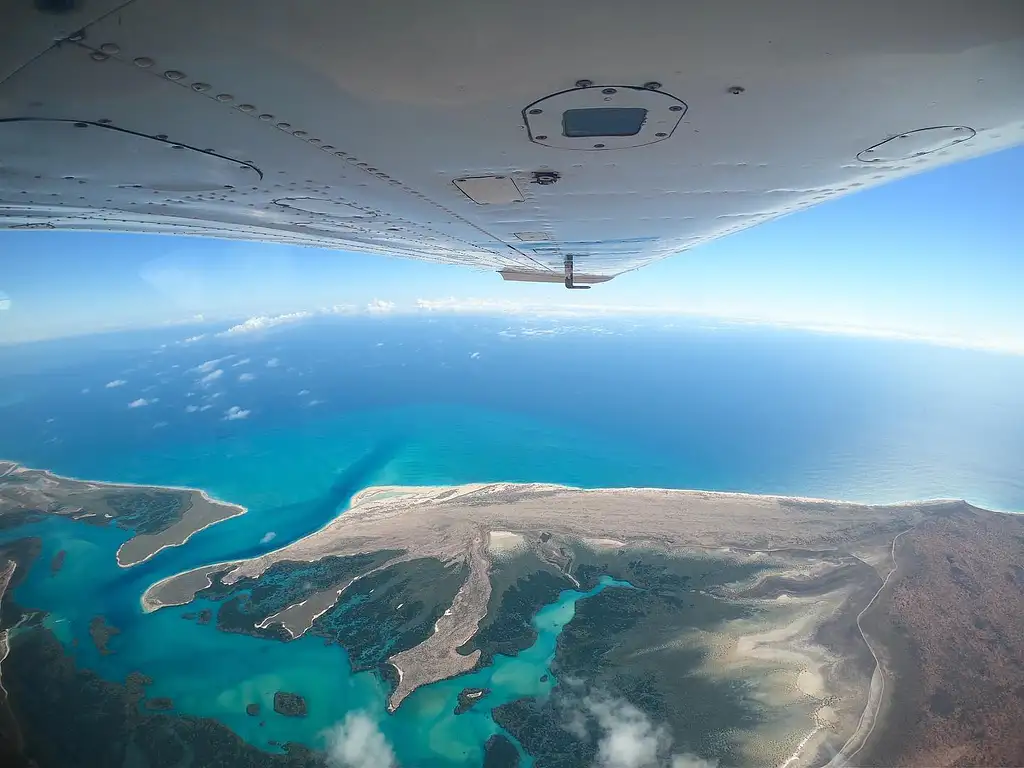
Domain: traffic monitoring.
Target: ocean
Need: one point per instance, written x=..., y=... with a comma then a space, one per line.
x=301, y=417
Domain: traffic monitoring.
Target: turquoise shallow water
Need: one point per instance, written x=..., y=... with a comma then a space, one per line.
x=215, y=674
x=397, y=402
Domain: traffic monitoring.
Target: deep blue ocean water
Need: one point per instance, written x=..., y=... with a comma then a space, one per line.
x=335, y=405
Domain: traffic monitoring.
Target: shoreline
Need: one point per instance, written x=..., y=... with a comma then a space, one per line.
x=241, y=511
x=406, y=490
x=149, y=606
x=226, y=509
x=396, y=493
x=455, y=522
x=374, y=505
x=476, y=485
x=442, y=521
x=13, y=465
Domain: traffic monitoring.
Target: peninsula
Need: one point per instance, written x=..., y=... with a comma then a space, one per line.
x=782, y=611
x=158, y=516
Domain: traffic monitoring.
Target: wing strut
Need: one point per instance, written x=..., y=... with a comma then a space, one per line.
x=568, y=276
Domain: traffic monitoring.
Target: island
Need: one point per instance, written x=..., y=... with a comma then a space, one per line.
x=289, y=704
x=101, y=632
x=159, y=517
x=468, y=697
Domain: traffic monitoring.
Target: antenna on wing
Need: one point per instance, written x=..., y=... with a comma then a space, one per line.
x=569, y=276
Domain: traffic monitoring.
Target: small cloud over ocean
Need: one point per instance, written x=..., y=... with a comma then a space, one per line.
x=211, y=377
x=234, y=413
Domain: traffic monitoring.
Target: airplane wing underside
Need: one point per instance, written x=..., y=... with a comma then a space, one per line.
x=505, y=136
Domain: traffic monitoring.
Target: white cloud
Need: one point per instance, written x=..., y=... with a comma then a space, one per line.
x=483, y=306
x=691, y=761
x=5, y=303
x=540, y=309
x=160, y=425
x=474, y=356
x=303, y=392
x=262, y=322
x=357, y=742
x=194, y=339
x=243, y=361
x=273, y=362
x=234, y=413
x=205, y=408
x=628, y=738
x=246, y=377
x=115, y=383
x=140, y=403
x=211, y=377
x=85, y=391
x=268, y=537
x=209, y=365
x=311, y=403
x=191, y=408
x=339, y=309
x=725, y=319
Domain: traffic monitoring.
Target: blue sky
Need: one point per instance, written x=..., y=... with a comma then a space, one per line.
x=936, y=256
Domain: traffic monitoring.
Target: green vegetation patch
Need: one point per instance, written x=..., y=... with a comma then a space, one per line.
x=392, y=610
x=519, y=588
x=147, y=512
x=623, y=659
x=248, y=601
